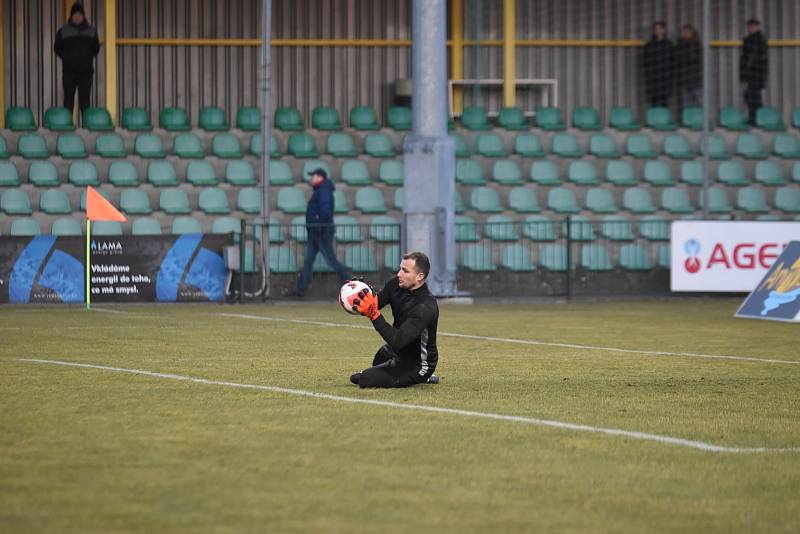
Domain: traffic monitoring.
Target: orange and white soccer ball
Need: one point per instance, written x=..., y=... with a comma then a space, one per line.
x=349, y=292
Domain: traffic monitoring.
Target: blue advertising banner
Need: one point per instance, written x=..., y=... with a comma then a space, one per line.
x=777, y=296
x=44, y=269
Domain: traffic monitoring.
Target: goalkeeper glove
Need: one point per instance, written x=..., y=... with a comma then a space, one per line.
x=367, y=304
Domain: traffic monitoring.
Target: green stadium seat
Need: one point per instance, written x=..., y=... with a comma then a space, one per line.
x=3, y=148
x=370, y=200
x=716, y=147
x=638, y=200
x=768, y=118
x=226, y=146
x=458, y=201
x=786, y=146
x=769, y=173
x=717, y=200
x=71, y=146
x=188, y=146
x=255, y=146
x=582, y=172
x=364, y=118
x=391, y=172
x=302, y=145
x=54, y=201
x=692, y=173
x=240, y=173
x=517, y=258
x=654, y=228
x=545, y=172
x=213, y=200
x=528, y=145
x=490, y=145
x=749, y=146
x=66, y=226
x=469, y=172
x=549, y=119
x=174, y=201
x=663, y=256
x=282, y=260
x=291, y=200
x=658, y=173
x=43, y=174
x=399, y=118
x=123, y=174
x=620, y=173
x=461, y=147
x=565, y=145
x=324, y=118
x=341, y=145
x=677, y=146
x=633, y=257
x=768, y=217
x=539, y=228
x=58, y=120
x=506, y=172
x=146, y=226
x=161, y=174
x=340, y=202
x=110, y=145
x=174, y=119
x=599, y=200
x=751, y=200
x=384, y=229
x=275, y=231
x=562, y=200
x=676, y=200
x=9, y=177
x=580, y=228
x=97, y=120
x=465, y=229
x=523, y=200
x=360, y=259
x=474, y=118
x=796, y=117
x=586, y=119
x=314, y=164
x=288, y=119
x=355, y=172
x=732, y=118
x=512, y=118
x=594, y=257
x=603, y=146
x=248, y=119
x=106, y=228
x=347, y=229
x=213, y=120
x=25, y=227
x=32, y=146
x=640, y=146
x=186, y=225
x=148, y=146
x=692, y=118
x=796, y=172
x=379, y=145
x=136, y=120
x=249, y=200
x=228, y=225
x=553, y=258
x=623, y=119
x=135, y=202
x=500, y=228
x=659, y=118
x=731, y=173
x=616, y=228
x=477, y=258
x=201, y=173
x=20, y=120
x=485, y=200
x=83, y=173
x=398, y=198
x=787, y=199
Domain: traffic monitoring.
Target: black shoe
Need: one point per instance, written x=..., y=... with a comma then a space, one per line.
x=355, y=378
x=432, y=380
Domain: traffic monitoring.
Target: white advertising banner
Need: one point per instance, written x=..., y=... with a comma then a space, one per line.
x=726, y=255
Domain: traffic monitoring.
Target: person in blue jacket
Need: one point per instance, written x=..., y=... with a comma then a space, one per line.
x=320, y=228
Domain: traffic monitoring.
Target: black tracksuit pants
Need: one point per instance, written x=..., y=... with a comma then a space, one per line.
x=389, y=370
x=80, y=81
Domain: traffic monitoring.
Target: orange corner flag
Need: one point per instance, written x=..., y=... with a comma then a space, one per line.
x=100, y=209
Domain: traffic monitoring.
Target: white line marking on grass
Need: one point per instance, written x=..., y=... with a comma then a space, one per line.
x=106, y=310
x=526, y=341
x=658, y=438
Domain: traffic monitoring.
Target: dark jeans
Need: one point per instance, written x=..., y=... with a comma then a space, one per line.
x=80, y=81
x=391, y=371
x=752, y=97
x=320, y=240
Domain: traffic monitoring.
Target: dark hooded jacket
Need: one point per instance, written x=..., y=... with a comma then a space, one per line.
x=659, y=64
x=77, y=45
x=320, y=206
x=754, y=61
x=689, y=63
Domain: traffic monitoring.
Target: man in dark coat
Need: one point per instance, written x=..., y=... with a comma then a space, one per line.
x=754, y=67
x=659, y=64
x=77, y=45
x=320, y=229
x=689, y=67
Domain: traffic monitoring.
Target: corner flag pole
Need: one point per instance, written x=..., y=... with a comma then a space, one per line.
x=88, y=264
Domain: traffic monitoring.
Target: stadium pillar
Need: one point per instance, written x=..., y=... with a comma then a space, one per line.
x=706, y=100
x=266, y=134
x=111, y=59
x=2, y=68
x=509, y=53
x=457, y=52
x=429, y=188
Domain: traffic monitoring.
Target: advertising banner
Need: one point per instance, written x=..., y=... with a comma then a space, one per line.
x=730, y=256
x=777, y=297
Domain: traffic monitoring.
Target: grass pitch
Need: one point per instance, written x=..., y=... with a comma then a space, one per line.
x=87, y=450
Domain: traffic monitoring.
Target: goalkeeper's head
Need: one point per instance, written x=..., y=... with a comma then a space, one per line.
x=414, y=270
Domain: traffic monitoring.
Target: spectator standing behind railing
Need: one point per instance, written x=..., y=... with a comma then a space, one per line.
x=77, y=45
x=659, y=64
x=689, y=67
x=320, y=228
x=754, y=67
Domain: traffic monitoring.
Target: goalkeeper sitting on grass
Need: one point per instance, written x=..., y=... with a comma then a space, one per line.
x=410, y=355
